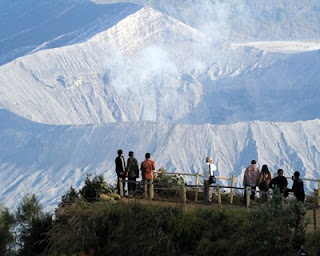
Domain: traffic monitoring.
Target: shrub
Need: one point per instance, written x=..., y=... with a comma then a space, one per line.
x=277, y=227
x=313, y=243
x=134, y=229
x=94, y=187
x=167, y=185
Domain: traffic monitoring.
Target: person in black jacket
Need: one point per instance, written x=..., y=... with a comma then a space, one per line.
x=120, y=169
x=281, y=182
x=297, y=187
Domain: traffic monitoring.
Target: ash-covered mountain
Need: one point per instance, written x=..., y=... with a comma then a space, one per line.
x=150, y=66
x=155, y=77
x=48, y=159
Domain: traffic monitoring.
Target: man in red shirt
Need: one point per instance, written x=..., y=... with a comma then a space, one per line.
x=147, y=168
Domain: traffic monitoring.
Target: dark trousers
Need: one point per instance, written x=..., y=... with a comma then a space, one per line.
x=122, y=176
x=207, y=191
x=131, y=184
x=252, y=196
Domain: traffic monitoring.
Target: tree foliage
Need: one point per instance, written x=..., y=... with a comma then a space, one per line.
x=93, y=188
x=278, y=227
x=24, y=231
x=83, y=223
x=70, y=197
x=6, y=236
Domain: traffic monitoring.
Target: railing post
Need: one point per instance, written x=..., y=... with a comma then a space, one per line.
x=247, y=196
x=121, y=186
x=196, y=191
x=219, y=194
x=318, y=201
x=150, y=185
x=231, y=190
x=184, y=194
x=314, y=218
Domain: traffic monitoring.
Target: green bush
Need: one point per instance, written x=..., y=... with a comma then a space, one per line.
x=313, y=243
x=93, y=188
x=168, y=185
x=134, y=229
x=278, y=227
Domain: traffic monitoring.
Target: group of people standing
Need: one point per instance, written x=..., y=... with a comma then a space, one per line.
x=131, y=171
x=263, y=180
x=253, y=178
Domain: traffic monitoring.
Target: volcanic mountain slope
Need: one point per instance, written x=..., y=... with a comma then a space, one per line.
x=152, y=81
x=47, y=159
x=29, y=26
x=152, y=67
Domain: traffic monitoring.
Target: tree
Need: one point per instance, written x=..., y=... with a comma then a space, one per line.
x=32, y=224
x=6, y=236
x=70, y=197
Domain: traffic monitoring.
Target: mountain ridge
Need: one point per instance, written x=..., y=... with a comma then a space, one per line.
x=243, y=20
x=165, y=71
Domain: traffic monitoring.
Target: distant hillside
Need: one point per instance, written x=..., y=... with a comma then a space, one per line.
x=29, y=25
x=47, y=160
x=78, y=81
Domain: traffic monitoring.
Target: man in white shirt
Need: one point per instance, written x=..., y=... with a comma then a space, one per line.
x=209, y=179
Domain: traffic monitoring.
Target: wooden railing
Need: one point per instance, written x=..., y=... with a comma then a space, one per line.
x=218, y=192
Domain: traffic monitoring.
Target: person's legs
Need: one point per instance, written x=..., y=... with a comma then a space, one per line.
x=145, y=185
x=134, y=185
x=118, y=184
x=210, y=192
x=253, y=192
x=131, y=184
x=264, y=196
x=206, y=190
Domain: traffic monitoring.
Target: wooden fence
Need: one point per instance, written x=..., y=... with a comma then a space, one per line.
x=183, y=188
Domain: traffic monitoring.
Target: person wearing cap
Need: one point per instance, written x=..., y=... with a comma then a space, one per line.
x=210, y=168
x=133, y=172
x=251, y=178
